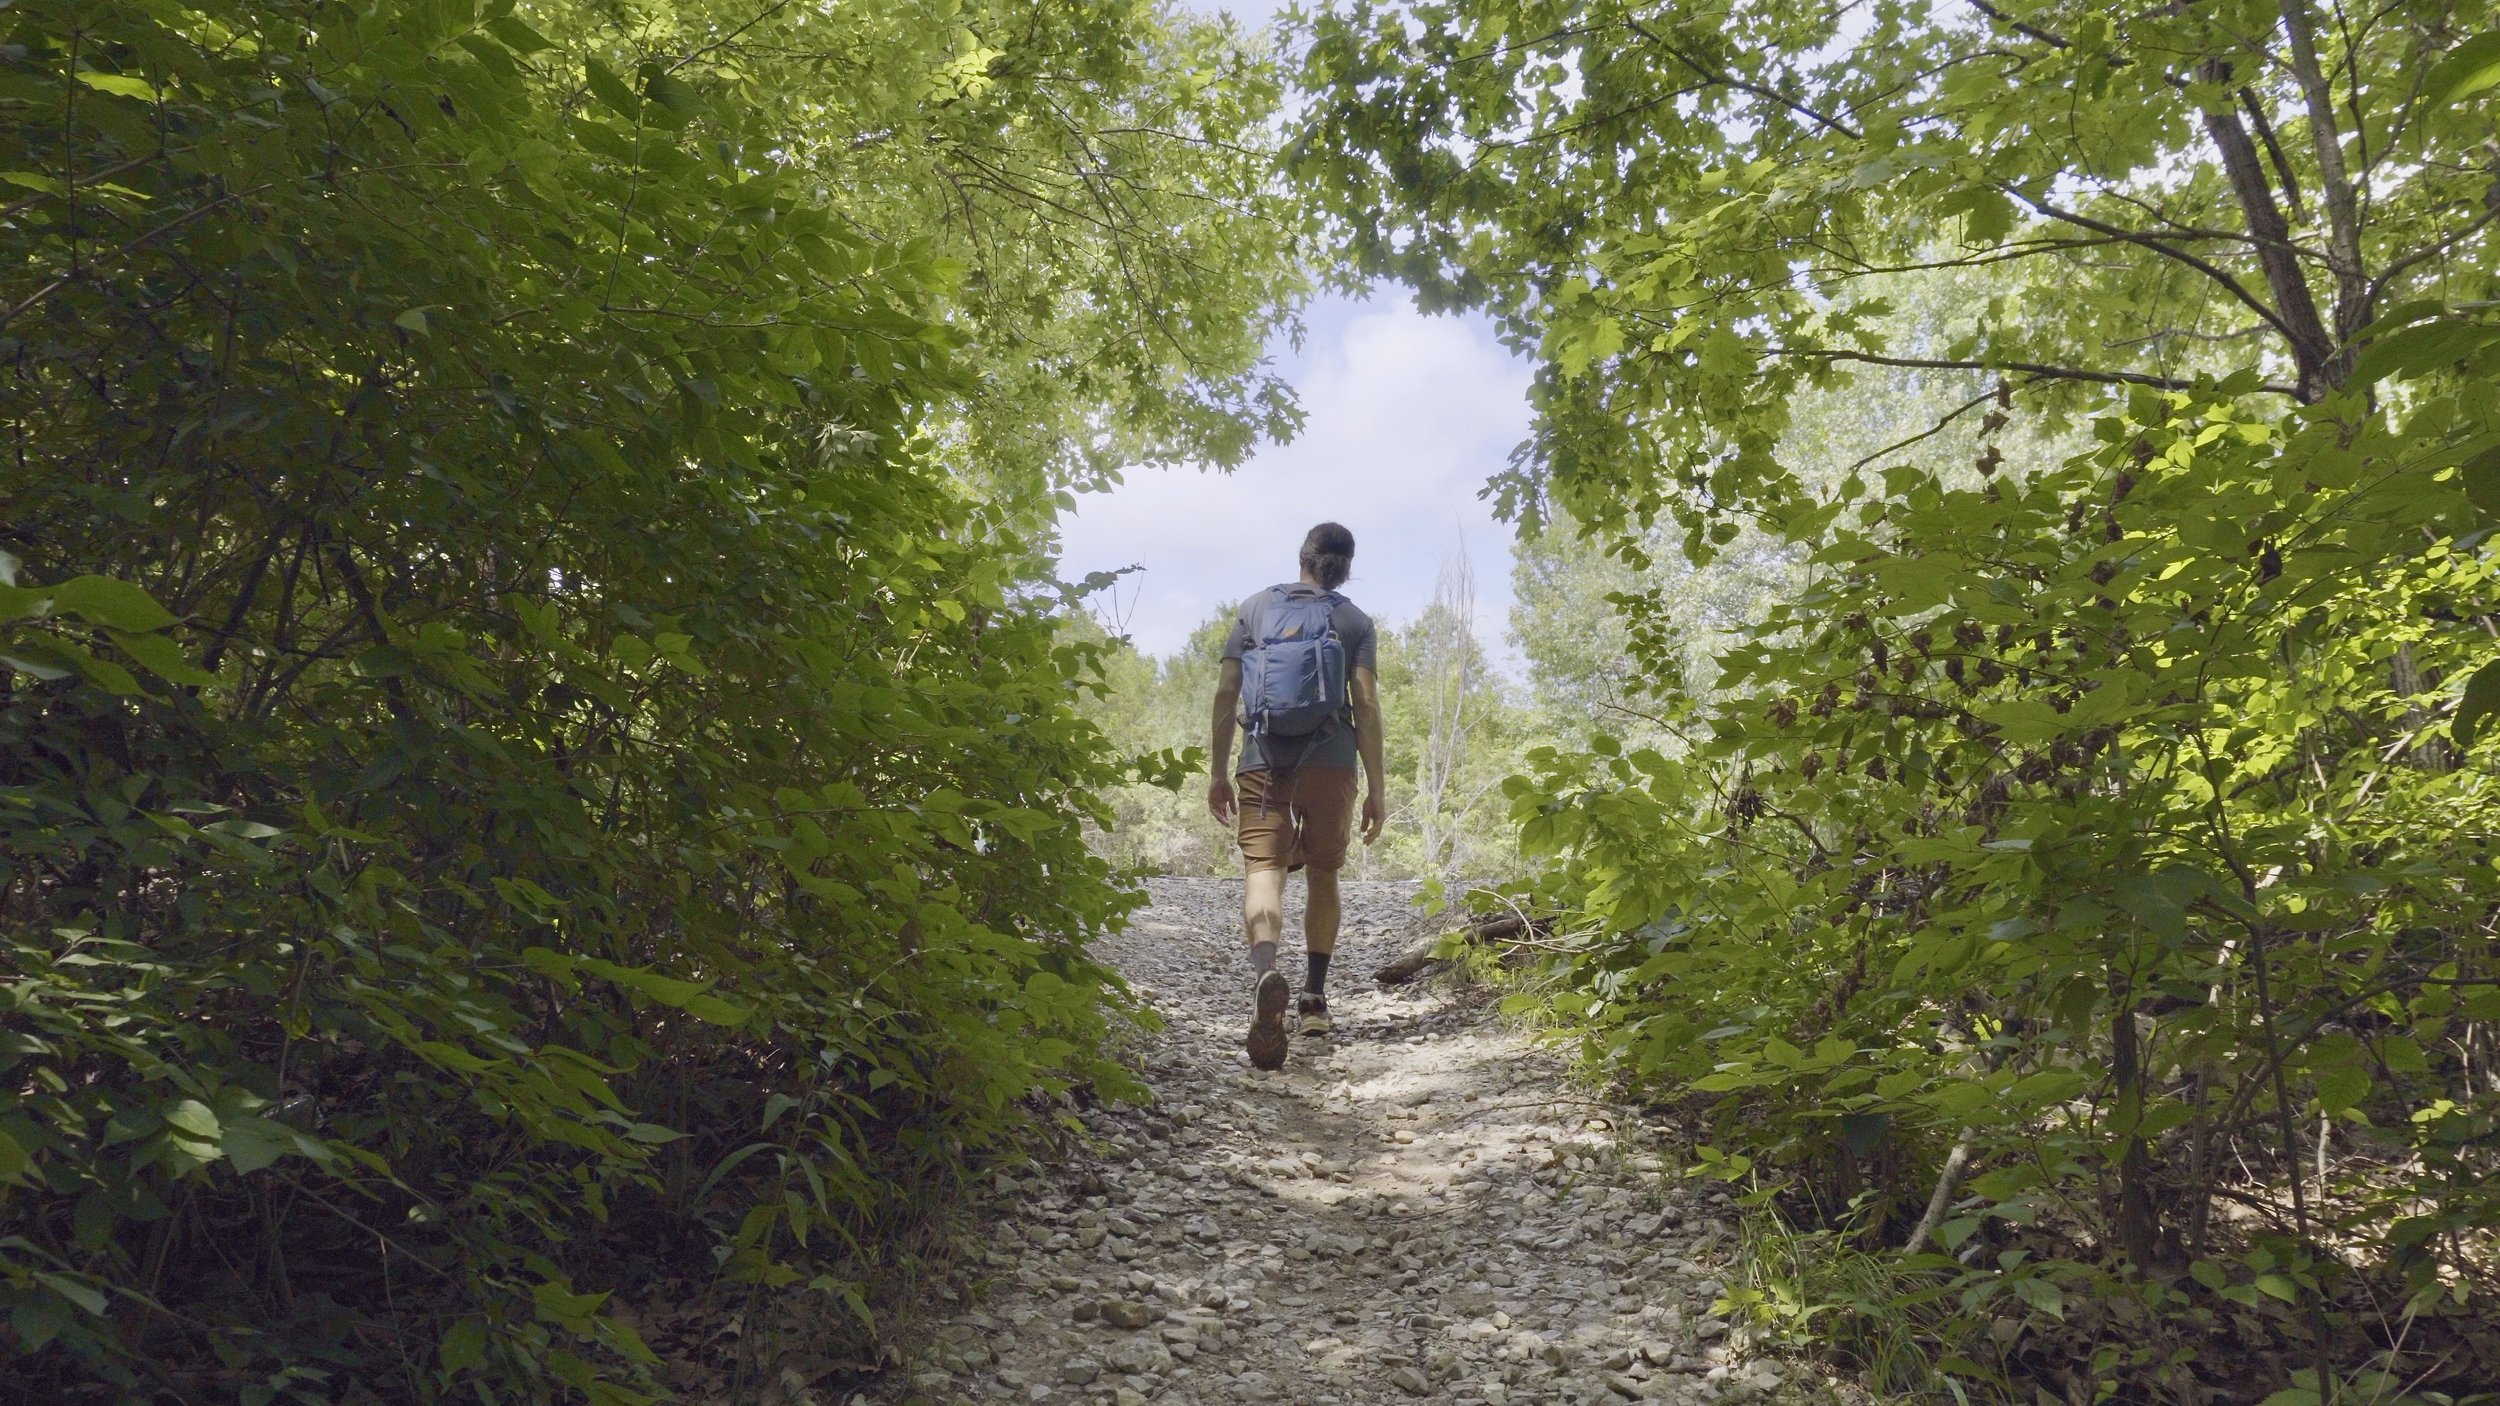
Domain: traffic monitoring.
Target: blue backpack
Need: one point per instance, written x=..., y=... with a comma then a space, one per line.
x=1293, y=675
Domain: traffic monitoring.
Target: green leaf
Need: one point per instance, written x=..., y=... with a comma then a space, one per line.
x=611, y=90
x=77, y=1291
x=2480, y=474
x=161, y=656
x=103, y=600
x=2481, y=700
x=252, y=1143
x=2469, y=70
x=2278, y=1286
x=517, y=36
x=194, y=1117
x=2339, y=1089
x=2040, y=1294
x=40, y=661
x=688, y=996
x=120, y=85
x=463, y=1346
x=2413, y=351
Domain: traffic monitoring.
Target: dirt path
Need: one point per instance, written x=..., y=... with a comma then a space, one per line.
x=1419, y=1207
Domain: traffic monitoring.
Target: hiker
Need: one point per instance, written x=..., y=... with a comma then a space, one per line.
x=1301, y=679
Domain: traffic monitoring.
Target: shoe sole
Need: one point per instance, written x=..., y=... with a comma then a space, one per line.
x=1267, y=1022
x=1317, y=1025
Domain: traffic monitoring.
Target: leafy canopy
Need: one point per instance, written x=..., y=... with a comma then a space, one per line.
x=535, y=749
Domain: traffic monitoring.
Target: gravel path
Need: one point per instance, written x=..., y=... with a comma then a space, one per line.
x=1419, y=1207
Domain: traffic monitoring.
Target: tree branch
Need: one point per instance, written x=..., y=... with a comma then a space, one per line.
x=2033, y=369
x=2343, y=253
x=2175, y=254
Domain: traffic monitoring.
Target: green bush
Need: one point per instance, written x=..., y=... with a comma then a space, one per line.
x=2078, y=889
x=523, y=759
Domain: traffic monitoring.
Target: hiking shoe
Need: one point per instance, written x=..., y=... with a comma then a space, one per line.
x=1313, y=1009
x=1267, y=1021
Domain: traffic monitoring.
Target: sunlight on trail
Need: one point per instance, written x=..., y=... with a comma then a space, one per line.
x=1422, y=1206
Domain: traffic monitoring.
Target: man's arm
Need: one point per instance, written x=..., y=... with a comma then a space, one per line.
x=1220, y=751
x=1367, y=741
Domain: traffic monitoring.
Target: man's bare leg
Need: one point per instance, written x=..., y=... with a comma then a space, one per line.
x=1263, y=919
x=1263, y=916
x=1322, y=911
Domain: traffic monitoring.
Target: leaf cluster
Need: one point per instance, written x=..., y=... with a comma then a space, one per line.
x=537, y=759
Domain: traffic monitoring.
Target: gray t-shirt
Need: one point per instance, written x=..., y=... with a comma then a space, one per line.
x=1354, y=631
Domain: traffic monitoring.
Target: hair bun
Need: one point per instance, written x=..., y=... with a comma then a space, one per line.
x=1328, y=554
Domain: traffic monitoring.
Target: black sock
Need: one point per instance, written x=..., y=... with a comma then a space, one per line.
x=1317, y=984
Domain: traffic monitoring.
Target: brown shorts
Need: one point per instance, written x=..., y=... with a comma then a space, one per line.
x=1306, y=819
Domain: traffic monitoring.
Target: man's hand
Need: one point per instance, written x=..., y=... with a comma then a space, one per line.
x=1220, y=799
x=1375, y=815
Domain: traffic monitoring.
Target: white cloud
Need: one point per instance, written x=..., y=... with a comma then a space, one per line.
x=1408, y=417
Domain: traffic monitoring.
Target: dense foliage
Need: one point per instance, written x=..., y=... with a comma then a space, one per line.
x=2076, y=899
x=535, y=752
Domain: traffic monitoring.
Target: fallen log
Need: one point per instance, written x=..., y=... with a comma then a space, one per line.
x=1418, y=959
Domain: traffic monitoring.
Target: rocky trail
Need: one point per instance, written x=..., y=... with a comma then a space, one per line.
x=1421, y=1206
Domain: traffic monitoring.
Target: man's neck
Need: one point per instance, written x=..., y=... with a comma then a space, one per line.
x=1313, y=582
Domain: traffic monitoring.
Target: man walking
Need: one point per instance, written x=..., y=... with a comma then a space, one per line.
x=1300, y=679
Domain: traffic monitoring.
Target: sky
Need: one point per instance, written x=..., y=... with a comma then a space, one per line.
x=1408, y=416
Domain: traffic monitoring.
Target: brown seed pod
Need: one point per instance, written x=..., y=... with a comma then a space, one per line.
x=1953, y=670
x=1990, y=802
x=1969, y=635
x=1784, y=712
x=1922, y=642
x=1877, y=771
x=1905, y=669
x=1879, y=655
x=1811, y=766
x=2005, y=636
x=2103, y=572
x=2142, y=449
x=2119, y=488
x=1827, y=700
x=1987, y=463
x=1991, y=673
x=1854, y=620
x=2034, y=769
